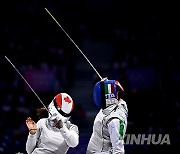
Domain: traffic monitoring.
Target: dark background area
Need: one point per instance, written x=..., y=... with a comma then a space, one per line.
x=134, y=42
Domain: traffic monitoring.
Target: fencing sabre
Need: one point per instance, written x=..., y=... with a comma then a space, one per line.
x=27, y=84
x=74, y=43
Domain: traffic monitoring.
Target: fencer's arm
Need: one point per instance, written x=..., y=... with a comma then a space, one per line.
x=70, y=135
x=32, y=141
x=117, y=143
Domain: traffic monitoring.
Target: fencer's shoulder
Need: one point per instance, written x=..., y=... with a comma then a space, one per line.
x=43, y=120
x=114, y=114
x=120, y=112
x=123, y=106
x=121, y=101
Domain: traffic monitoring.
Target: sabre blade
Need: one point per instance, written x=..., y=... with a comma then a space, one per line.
x=27, y=83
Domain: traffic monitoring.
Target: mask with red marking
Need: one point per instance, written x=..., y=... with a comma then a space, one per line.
x=61, y=107
x=106, y=93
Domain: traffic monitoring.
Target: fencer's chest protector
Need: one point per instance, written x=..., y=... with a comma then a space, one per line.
x=50, y=139
x=100, y=139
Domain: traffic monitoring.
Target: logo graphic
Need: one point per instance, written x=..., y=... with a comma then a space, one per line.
x=67, y=99
x=109, y=91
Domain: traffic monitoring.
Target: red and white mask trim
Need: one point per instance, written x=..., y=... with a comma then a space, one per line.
x=61, y=107
x=64, y=103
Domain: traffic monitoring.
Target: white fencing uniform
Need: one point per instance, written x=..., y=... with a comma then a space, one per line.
x=51, y=140
x=109, y=129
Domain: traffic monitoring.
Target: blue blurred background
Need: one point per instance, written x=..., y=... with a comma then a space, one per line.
x=134, y=42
